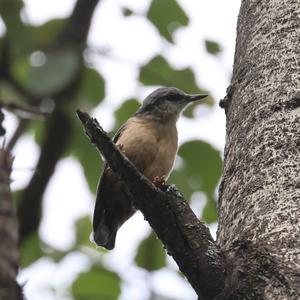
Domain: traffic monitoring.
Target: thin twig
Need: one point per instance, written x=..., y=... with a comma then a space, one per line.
x=26, y=112
x=18, y=132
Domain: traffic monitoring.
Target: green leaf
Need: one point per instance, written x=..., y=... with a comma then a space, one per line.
x=97, y=283
x=9, y=94
x=200, y=169
x=18, y=35
x=203, y=162
x=87, y=155
x=125, y=111
x=212, y=47
x=45, y=34
x=92, y=89
x=167, y=16
x=151, y=255
x=10, y=12
x=83, y=230
x=37, y=128
x=159, y=72
x=127, y=12
x=58, y=71
x=33, y=249
x=30, y=250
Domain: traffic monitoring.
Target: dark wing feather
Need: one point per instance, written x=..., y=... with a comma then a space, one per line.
x=112, y=206
x=103, y=182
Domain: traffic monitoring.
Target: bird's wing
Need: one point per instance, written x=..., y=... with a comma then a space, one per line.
x=112, y=205
x=106, y=178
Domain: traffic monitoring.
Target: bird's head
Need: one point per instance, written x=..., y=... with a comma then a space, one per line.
x=166, y=103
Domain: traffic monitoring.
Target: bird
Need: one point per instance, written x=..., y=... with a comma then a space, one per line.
x=149, y=139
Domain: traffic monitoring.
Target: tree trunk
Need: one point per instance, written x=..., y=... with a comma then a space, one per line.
x=9, y=250
x=257, y=255
x=259, y=201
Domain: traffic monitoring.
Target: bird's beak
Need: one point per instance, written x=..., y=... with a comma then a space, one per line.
x=192, y=98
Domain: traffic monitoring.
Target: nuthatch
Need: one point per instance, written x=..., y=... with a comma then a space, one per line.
x=149, y=140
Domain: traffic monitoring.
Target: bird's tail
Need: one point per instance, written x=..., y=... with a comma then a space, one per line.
x=104, y=236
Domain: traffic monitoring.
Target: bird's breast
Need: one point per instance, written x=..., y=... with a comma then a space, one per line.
x=151, y=146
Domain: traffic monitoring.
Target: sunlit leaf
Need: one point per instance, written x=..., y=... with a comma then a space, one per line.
x=151, y=255
x=212, y=47
x=92, y=88
x=97, y=283
x=167, y=16
x=125, y=111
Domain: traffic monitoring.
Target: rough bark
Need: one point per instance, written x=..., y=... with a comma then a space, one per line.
x=9, y=250
x=185, y=238
x=259, y=201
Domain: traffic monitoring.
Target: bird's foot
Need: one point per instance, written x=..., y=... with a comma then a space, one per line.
x=159, y=181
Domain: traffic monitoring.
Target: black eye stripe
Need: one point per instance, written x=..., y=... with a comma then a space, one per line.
x=174, y=97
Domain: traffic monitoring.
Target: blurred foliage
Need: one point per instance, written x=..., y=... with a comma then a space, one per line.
x=212, y=47
x=167, y=23
x=159, y=72
x=200, y=168
x=53, y=71
x=151, y=255
x=127, y=12
x=87, y=155
x=86, y=286
x=44, y=70
x=30, y=250
x=125, y=111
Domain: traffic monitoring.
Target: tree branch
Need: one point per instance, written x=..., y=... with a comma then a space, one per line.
x=17, y=134
x=185, y=238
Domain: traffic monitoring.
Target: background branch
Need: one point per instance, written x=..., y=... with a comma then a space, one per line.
x=185, y=238
x=58, y=126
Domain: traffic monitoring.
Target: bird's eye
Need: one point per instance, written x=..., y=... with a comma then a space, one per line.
x=174, y=97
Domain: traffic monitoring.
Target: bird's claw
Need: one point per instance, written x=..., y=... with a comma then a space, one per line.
x=159, y=181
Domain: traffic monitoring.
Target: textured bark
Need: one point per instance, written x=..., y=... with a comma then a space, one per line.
x=9, y=250
x=259, y=202
x=185, y=238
